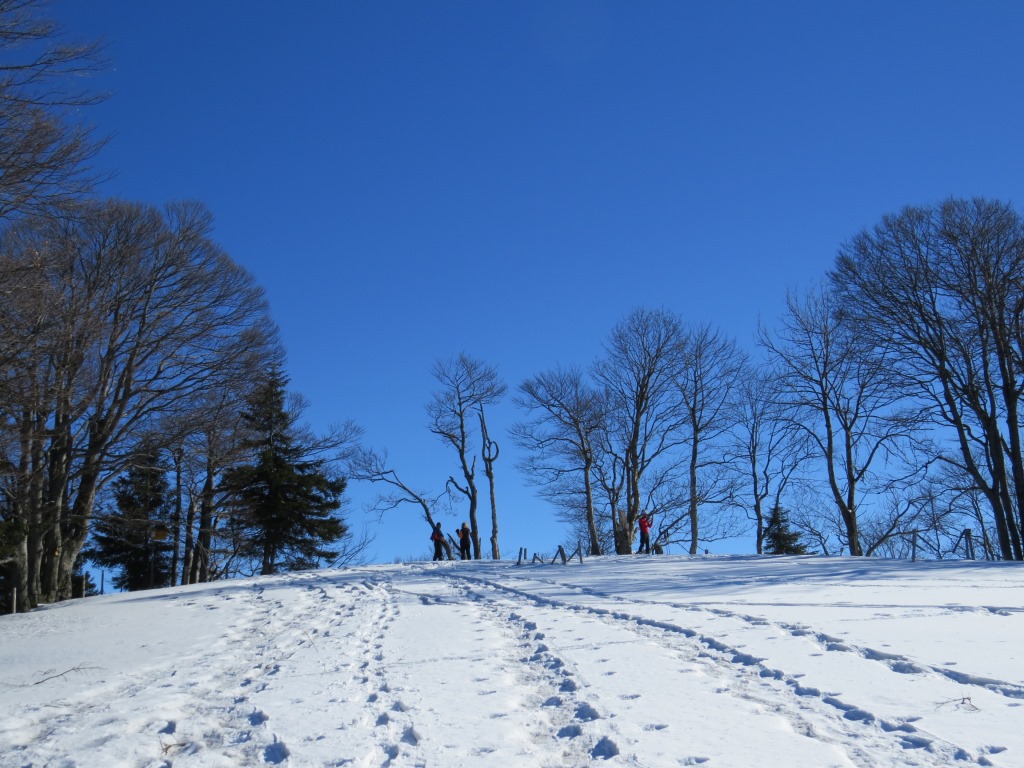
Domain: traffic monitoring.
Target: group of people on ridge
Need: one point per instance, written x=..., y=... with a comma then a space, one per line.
x=437, y=537
x=646, y=522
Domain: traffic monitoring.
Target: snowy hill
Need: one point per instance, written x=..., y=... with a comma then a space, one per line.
x=641, y=661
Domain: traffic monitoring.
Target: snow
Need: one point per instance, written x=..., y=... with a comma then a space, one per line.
x=733, y=661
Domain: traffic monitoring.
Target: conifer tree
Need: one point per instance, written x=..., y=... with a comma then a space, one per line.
x=132, y=539
x=779, y=538
x=283, y=501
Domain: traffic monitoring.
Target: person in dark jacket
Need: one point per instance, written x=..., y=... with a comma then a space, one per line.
x=464, y=541
x=438, y=538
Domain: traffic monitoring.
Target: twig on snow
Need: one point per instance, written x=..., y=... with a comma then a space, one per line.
x=50, y=675
x=964, y=703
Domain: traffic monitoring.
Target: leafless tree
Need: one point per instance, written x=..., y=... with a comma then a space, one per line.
x=134, y=315
x=212, y=446
x=767, y=452
x=712, y=369
x=489, y=451
x=817, y=519
x=372, y=466
x=467, y=385
x=565, y=417
x=925, y=520
x=835, y=390
x=610, y=479
x=44, y=146
x=944, y=287
x=646, y=417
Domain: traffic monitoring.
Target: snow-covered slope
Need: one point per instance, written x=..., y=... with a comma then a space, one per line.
x=640, y=661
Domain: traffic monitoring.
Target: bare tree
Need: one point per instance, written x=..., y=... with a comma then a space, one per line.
x=944, y=287
x=566, y=415
x=489, y=452
x=609, y=473
x=372, y=466
x=139, y=314
x=712, y=369
x=836, y=391
x=767, y=452
x=44, y=146
x=646, y=417
x=466, y=386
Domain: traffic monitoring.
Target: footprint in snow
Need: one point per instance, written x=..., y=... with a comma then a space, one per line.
x=570, y=732
x=275, y=753
x=605, y=749
x=258, y=718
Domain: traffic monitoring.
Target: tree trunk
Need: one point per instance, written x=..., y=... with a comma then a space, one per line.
x=694, y=505
x=188, y=545
x=19, y=566
x=489, y=453
x=495, y=552
x=204, y=540
x=474, y=528
x=176, y=518
x=588, y=489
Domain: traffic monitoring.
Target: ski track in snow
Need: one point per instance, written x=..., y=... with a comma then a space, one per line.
x=333, y=669
x=813, y=711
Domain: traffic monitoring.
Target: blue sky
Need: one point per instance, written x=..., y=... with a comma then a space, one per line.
x=412, y=180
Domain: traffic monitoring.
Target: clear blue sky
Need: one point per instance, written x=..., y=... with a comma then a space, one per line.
x=411, y=180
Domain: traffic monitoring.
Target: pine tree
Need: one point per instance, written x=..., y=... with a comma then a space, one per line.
x=779, y=538
x=132, y=539
x=283, y=501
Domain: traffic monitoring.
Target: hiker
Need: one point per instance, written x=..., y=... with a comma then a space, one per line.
x=438, y=538
x=464, y=540
x=645, y=533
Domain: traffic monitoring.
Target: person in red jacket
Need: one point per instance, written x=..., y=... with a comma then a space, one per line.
x=645, y=522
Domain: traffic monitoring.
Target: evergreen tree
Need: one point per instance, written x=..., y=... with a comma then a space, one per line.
x=779, y=538
x=283, y=501
x=132, y=539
